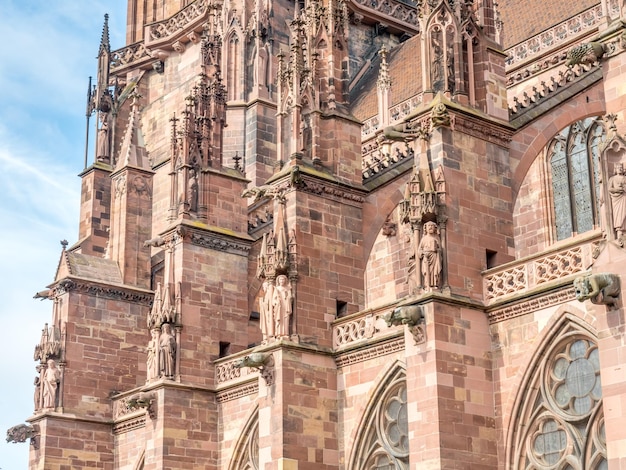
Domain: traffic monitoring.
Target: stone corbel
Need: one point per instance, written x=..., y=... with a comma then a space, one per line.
x=179, y=47
x=601, y=289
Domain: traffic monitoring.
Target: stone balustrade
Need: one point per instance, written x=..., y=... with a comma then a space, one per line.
x=520, y=277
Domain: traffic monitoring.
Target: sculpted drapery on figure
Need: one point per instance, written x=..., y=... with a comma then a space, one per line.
x=152, y=367
x=282, y=304
x=429, y=252
x=268, y=325
x=617, y=191
x=167, y=352
x=51, y=380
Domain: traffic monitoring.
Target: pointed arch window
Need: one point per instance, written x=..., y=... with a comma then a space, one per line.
x=246, y=455
x=384, y=442
x=574, y=162
x=561, y=424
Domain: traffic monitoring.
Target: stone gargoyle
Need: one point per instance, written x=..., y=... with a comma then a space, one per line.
x=405, y=315
x=20, y=433
x=255, y=360
x=601, y=288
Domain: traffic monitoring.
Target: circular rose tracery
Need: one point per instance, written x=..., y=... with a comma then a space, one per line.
x=574, y=378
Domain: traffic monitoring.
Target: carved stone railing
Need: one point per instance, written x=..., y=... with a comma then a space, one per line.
x=362, y=327
x=397, y=113
x=129, y=55
x=376, y=161
x=559, y=35
x=225, y=370
x=399, y=15
x=522, y=276
x=183, y=20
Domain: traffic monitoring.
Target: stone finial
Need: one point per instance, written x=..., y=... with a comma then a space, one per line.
x=601, y=289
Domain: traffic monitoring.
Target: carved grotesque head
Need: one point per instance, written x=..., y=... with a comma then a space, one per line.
x=582, y=288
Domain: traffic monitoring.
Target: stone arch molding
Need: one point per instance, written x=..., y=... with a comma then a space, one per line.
x=246, y=453
x=383, y=440
x=559, y=422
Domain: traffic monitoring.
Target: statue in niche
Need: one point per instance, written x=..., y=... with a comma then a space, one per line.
x=152, y=369
x=167, y=352
x=192, y=191
x=37, y=383
x=282, y=305
x=51, y=380
x=265, y=306
x=437, y=71
x=617, y=191
x=429, y=252
x=411, y=262
x=102, y=147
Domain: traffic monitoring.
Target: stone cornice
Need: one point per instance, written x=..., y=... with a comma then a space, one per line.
x=102, y=290
x=371, y=351
x=564, y=294
x=208, y=236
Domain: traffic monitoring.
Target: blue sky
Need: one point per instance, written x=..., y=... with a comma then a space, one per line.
x=47, y=53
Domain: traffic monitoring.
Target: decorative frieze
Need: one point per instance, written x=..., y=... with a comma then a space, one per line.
x=235, y=393
x=215, y=242
x=560, y=34
x=532, y=305
x=494, y=134
x=381, y=349
x=129, y=424
x=107, y=292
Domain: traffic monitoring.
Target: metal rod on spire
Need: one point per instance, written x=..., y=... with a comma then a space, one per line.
x=88, y=112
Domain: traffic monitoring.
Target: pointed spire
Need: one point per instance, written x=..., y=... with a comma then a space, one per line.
x=384, y=81
x=133, y=151
x=105, y=45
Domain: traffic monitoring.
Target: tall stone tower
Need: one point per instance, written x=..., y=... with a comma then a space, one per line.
x=308, y=240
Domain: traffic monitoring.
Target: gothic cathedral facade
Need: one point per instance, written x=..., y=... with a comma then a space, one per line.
x=346, y=235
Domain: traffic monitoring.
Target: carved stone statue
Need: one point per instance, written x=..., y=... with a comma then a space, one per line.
x=152, y=366
x=411, y=275
x=268, y=325
x=282, y=305
x=167, y=352
x=102, y=147
x=37, y=394
x=603, y=288
x=429, y=252
x=617, y=191
x=51, y=380
x=192, y=191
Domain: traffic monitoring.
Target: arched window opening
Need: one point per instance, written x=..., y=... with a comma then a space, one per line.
x=233, y=88
x=384, y=442
x=561, y=425
x=574, y=162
